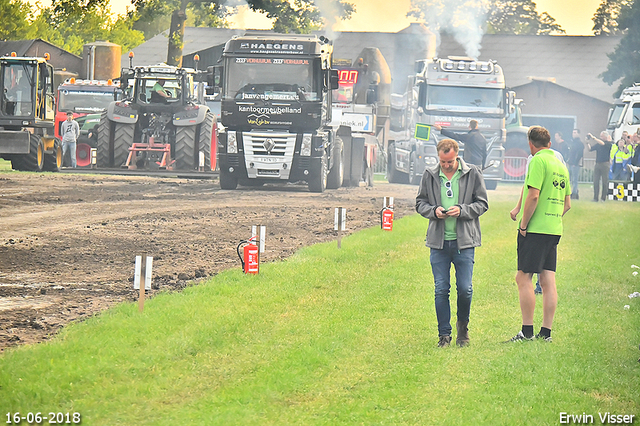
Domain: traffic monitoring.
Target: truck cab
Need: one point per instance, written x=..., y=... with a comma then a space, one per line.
x=276, y=111
x=625, y=114
x=450, y=92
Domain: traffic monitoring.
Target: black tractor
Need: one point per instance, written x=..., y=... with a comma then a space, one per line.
x=162, y=122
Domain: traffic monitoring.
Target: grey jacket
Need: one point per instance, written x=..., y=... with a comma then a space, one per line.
x=472, y=202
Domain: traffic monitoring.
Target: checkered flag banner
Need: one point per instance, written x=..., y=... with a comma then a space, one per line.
x=624, y=191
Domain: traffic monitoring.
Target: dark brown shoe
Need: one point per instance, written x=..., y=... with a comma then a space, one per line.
x=462, y=339
x=444, y=341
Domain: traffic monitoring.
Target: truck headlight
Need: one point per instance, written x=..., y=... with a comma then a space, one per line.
x=305, y=147
x=430, y=161
x=232, y=143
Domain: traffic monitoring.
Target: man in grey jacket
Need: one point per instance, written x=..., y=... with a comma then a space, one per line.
x=452, y=196
x=70, y=131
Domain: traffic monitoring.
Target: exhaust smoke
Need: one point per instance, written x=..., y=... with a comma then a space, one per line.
x=464, y=20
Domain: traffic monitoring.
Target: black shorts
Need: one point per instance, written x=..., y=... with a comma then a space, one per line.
x=537, y=252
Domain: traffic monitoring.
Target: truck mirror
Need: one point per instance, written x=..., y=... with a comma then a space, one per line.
x=334, y=80
x=422, y=95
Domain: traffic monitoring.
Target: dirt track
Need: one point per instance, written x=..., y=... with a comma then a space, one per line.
x=68, y=241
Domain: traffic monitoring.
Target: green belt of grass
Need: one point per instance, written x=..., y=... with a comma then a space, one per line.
x=348, y=336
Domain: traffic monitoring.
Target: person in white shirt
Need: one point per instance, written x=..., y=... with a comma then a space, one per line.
x=70, y=130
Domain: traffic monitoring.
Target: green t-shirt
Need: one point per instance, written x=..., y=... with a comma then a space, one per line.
x=551, y=177
x=450, y=231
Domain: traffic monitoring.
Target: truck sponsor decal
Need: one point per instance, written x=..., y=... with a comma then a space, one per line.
x=357, y=122
x=271, y=96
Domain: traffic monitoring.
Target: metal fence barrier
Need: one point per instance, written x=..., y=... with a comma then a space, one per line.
x=514, y=169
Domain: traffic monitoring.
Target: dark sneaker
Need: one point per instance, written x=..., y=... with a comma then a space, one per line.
x=519, y=338
x=538, y=290
x=543, y=338
x=444, y=341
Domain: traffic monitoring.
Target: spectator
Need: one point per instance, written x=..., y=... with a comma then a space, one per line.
x=475, y=145
x=546, y=200
x=70, y=131
x=620, y=157
x=516, y=210
x=452, y=196
x=560, y=145
x=576, y=151
x=602, y=147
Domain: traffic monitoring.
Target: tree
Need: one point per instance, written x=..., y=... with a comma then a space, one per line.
x=492, y=16
x=15, y=24
x=519, y=17
x=605, y=20
x=296, y=16
x=625, y=59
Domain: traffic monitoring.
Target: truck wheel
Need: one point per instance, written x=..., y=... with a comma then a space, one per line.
x=185, y=149
x=491, y=184
x=53, y=162
x=414, y=177
x=205, y=139
x=122, y=141
x=227, y=180
x=318, y=182
x=103, y=155
x=393, y=174
x=336, y=174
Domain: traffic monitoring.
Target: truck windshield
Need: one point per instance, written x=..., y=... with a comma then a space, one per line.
x=464, y=99
x=616, y=115
x=82, y=100
x=18, y=80
x=271, y=79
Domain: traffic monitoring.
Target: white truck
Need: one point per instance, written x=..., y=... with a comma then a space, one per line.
x=448, y=92
x=625, y=114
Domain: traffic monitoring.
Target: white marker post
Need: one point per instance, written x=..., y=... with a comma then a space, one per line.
x=340, y=220
x=261, y=237
x=142, y=278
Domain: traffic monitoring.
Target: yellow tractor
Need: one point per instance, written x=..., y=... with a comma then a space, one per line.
x=27, y=114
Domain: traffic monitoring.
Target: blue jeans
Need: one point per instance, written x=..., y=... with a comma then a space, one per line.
x=574, y=173
x=441, y=261
x=71, y=147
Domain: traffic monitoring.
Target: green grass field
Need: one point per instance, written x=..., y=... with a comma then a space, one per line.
x=348, y=336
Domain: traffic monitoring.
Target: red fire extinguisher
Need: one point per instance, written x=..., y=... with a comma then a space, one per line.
x=386, y=219
x=251, y=261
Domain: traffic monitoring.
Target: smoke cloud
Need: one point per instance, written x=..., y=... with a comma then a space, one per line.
x=331, y=14
x=464, y=20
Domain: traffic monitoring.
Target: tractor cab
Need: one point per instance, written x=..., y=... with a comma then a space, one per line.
x=27, y=91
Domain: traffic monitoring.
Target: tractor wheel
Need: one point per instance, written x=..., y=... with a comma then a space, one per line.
x=205, y=140
x=53, y=162
x=185, y=149
x=103, y=156
x=336, y=174
x=318, y=181
x=122, y=141
x=34, y=160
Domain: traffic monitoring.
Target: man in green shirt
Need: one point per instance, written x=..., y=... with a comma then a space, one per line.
x=452, y=196
x=547, y=197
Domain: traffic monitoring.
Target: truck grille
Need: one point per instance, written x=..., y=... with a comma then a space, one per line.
x=278, y=144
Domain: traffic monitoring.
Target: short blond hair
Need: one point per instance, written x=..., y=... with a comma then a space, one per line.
x=446, y=145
